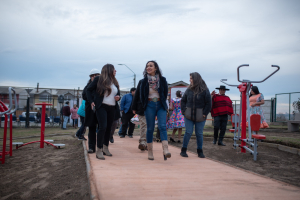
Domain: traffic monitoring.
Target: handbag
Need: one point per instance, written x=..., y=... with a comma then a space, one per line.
x=199, y=114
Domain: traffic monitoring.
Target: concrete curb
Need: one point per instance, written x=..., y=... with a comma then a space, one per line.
x=91, y=183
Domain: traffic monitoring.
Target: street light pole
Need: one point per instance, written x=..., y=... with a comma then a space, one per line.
x=132, y=72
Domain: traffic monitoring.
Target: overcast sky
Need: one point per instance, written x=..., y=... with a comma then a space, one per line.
x=57, y=43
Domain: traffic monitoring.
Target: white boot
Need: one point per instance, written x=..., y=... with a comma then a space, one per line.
x=106, y=151
x=166, y=152
x=99, y=154
x=150, y=151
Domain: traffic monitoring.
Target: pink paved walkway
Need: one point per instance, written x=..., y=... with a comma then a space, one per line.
x=128, y=174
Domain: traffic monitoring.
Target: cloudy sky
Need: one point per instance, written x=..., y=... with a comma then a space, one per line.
x=57, y=43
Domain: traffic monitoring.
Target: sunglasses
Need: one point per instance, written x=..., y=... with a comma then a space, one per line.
x=94, y=75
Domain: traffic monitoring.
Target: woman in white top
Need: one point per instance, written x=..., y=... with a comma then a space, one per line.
x=106, y=94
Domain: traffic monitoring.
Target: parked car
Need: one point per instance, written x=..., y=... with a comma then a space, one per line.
x=31, y=114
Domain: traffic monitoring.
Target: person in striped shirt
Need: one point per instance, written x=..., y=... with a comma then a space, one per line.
x=221, y=108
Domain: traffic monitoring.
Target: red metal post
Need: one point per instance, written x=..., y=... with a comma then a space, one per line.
x=243, y=90
x=10, y=135
x=43, y=126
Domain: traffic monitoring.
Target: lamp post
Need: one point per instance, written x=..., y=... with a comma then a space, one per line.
x=132, y=72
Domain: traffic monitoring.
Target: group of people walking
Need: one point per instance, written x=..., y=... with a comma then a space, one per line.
x=149, y=101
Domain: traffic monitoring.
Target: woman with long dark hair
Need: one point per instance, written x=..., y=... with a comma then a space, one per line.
x=106, y=94
x=153, y=92
x=90, y=117
x=256, y=99
x=195, y=106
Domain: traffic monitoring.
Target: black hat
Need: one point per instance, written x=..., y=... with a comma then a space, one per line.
x=222, y=87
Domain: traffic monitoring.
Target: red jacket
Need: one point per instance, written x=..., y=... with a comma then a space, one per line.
x=221, y=105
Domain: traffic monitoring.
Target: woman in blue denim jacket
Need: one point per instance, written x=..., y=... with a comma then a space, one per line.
x=197, y=96
x=153, y=92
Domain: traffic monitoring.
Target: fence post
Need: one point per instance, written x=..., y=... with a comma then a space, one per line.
x=290, y=106
x=27, y=113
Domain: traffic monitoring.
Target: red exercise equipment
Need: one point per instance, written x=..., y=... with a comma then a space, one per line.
x=8, y=113
x=42, y=140
x=254, y=120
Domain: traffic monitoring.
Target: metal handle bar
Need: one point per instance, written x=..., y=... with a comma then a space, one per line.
x=238, y=71
x=16, y=103
x=222, y=80
x=10, y=101
x=246, y=65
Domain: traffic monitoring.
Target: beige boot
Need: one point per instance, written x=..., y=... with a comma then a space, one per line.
x=166, y=152
x=99, y=154
x=150, y=151
x=142, y=145
x=106, y=151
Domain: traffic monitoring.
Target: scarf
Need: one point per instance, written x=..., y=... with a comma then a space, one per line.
x=153, y=81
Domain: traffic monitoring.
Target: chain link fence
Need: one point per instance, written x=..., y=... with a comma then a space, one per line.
x=287, y=106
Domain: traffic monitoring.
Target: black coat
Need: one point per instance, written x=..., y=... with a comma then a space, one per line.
x=136, y=102
x=90, y=117
x=202, y=100
x=94, y=96
x=143, y=91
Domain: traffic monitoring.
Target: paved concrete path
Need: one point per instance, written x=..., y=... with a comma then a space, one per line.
x=128, y=174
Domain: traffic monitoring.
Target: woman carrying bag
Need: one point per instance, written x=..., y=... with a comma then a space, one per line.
x=153, y=92
x=106, y=94
x=195, y=106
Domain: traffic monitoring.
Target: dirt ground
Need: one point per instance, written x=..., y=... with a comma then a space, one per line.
x=271, y=162
x=34, y=173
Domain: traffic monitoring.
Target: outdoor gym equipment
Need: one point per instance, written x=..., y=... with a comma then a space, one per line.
x=254, y=120
x=42, y=140
x=8, y=113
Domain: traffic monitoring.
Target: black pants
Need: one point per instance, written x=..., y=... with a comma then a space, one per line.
x=220, y=123
x=105, y=116
x=113, y=127
x=92, y=137
x=126, y=117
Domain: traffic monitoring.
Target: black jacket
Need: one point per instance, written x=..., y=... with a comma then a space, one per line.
x=202, y=100
x=136, y=102
x=90, y=116
x=143, y=91
x=94, y=96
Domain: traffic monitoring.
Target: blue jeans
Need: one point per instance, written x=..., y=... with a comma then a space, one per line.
x=189, y=128
x=156, y=109
x=80, y=131
x=66, y=118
